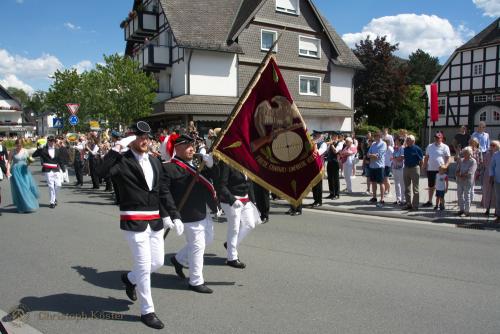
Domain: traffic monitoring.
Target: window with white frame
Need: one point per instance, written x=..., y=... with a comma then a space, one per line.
x=478, y=69
x=267, y=38
x=309, y=46
x=480, y=98
x=310, y=85
x=288, y=6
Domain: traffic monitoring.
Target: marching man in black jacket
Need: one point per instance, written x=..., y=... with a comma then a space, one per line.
x=143, y=215
x=198, y=225
x=242, y=215
x=51, y=166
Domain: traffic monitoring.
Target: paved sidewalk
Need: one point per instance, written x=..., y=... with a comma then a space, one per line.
x=358, y=203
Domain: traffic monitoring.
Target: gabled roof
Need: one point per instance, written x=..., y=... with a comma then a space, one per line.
x=344, y=55
x=202, y=24
x=5, y=95
x=216, y=24
x=490, y=35
x=247, y=11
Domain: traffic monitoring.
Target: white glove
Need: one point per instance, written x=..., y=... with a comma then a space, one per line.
x=179, y=226
x=167, y=222
x=125, y=142
x=209, y=160
x=237, y=204
x=219, y=212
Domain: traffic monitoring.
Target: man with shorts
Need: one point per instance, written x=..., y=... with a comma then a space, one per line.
x=436, y=154
x=376, y=155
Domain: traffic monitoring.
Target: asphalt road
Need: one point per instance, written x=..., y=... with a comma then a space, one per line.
x=317, y=273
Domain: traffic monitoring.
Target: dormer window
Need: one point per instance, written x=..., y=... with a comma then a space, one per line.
x=288, y=6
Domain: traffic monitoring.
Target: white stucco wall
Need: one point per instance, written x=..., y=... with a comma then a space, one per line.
x=179, y=82
x=341, y=85
x=213, y=73
x=334, y=123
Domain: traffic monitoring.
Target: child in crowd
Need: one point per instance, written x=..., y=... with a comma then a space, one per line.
x=441, y=187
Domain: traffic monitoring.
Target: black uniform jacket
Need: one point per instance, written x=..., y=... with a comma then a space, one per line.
x=195, y=208
x=230, y=183
x=48, y=163
x=135, y=195
x=3, y=159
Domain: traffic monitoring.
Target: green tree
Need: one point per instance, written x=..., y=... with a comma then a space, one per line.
x=20, y=95
x=411, y=114
x=422, y=68
x=66, y=88
x=380, y=89
x=128, y=92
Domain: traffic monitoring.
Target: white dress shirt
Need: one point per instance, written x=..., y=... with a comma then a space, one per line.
x=52, y=152
x=147, y=169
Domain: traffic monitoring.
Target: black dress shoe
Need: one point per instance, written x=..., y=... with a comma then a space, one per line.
x=52, y=206
x=151, y=320
x=316, y=204
x=236, y=264
x=296, y=213
x=178, y=267
x=290, y=211
x=225, y=245
x=129, y=287
x=202, y=288
x=264, y=220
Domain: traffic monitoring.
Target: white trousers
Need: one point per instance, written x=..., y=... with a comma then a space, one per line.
x=198, y=235
x=239, y=223
x=148, y=254
x=347, y=175
x=399, y=184
x=54, y=180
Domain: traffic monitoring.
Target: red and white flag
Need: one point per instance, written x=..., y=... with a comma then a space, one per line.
x=432, y=96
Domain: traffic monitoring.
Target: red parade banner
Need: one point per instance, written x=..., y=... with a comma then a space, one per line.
x=266, y=138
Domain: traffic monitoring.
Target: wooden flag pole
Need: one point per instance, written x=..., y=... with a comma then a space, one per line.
x=236, y=108
x=247, y=91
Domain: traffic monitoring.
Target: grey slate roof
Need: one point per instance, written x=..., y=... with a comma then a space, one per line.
x=202, y=24
x=222, y=105
x=490, y=35
x=215, y=25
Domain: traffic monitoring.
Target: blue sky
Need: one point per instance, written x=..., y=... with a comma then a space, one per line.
x=40, y=36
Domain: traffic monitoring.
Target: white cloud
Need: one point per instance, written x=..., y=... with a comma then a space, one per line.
x=83, y=66
x=29, y=68
x=72, y=26
x=12, y=81
x=430, y=33
x=491, y=8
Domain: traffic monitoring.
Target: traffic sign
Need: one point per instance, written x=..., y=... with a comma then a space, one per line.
x=57, y=123
x=73, y=120
x=73, y=108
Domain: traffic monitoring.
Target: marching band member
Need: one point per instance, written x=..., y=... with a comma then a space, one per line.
x=198, y=224
x=143, y=215
x=318, y=189
x=233, y=188
x=51, y=166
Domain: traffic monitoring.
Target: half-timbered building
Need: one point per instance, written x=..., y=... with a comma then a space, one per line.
x=469, y=85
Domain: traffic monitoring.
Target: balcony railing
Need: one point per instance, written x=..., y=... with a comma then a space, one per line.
x=143, y=24
x=153, y=58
